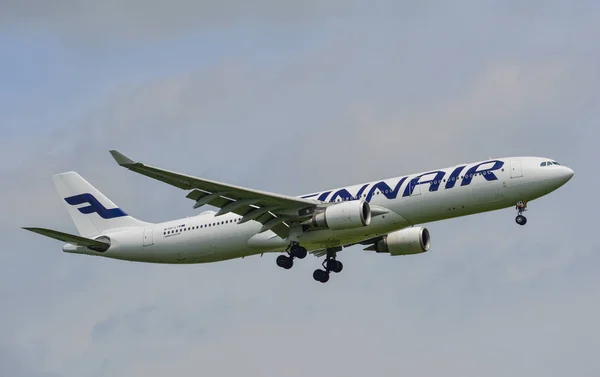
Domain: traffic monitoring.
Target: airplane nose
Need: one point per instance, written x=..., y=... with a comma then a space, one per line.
x=567, y=174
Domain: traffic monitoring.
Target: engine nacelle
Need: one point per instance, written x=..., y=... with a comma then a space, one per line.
x=345, y=215
x=406, y=241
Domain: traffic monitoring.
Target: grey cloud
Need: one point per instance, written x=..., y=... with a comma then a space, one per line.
x=14, y=363
x=488, y=299
x=404, y=139
x=146, y=19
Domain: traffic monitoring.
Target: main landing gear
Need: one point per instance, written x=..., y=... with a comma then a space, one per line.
x=329, y=264
x=521, y=207
x=293, y=251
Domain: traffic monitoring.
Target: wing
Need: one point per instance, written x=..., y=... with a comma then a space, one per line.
x=275, y=211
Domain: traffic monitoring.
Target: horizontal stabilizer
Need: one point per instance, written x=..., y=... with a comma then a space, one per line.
x=72, y=239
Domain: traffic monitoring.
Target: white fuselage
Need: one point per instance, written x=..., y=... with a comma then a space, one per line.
x=460, y=190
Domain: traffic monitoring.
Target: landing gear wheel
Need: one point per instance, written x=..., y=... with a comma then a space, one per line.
x=285, y=262
x=521, y=207
x=321, y=276
x=338, y=267
x=298, y=251
x=334, y=265
x=331, y=264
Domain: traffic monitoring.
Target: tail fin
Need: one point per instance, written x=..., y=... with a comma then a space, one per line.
x=92, y=212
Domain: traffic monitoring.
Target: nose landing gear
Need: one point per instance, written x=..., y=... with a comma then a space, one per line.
x=521, y=207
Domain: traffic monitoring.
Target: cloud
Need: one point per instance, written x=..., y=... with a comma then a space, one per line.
x=14, y=363
x=136, y=19
x=482, y=119
x=343, y=105
x=117, y=334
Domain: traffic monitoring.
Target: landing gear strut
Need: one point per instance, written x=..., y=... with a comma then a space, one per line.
x=293, y=251
x=521, y=207
x=330, y=264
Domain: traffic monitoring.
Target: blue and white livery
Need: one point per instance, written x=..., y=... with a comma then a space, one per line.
x=382, y=215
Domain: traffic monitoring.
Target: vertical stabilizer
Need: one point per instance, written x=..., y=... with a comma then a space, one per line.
x=91, y=211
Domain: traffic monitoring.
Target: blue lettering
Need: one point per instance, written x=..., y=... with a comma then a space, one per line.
x=385, y=189
x=323, y=195
x=343, y=193
x=453, y=178
x=360, y=192
x=486, y=173
x=434, y=182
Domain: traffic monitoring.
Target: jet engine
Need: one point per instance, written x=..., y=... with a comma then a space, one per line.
x=346, y=215
x=406, y=241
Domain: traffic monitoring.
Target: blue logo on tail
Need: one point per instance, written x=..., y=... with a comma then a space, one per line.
x=94, y=206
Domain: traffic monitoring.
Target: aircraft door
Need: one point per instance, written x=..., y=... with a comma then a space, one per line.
x=148, y=236
x=516, y=168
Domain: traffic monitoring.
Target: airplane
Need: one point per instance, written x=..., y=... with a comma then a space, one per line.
x=382, y=215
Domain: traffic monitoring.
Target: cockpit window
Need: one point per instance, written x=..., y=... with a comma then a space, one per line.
x=549, y=163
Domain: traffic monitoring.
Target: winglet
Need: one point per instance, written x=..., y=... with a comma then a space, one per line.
x=122, y=159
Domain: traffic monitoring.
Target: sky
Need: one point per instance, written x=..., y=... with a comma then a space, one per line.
x=297, y=97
